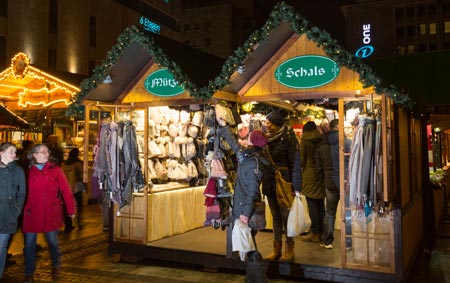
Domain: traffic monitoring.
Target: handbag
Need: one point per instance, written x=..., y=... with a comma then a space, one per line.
x=283, y=190
x=257, y=220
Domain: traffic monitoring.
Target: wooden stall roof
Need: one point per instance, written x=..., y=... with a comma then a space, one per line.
x=286, y=34
x=26, y=87
x=143, y=51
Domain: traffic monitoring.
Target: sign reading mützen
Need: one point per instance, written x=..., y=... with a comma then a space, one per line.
x=307, y=71
x=162, y=83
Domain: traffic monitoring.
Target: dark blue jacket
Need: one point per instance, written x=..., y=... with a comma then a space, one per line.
x=12, y=196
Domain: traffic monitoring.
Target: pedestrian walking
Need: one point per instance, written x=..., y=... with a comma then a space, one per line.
x=73, y=169
x=48, y=193
x=12, y=197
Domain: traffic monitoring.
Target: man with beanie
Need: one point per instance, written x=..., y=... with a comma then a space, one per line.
x=253, y=166
x=284, y=151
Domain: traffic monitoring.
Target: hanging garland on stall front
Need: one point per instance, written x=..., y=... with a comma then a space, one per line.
x=280, y=14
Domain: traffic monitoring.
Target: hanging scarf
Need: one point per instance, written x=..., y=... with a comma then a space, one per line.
x=276, y=135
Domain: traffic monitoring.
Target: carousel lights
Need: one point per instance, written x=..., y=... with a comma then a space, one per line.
x=44, y=104
x=20, y=65
x=53, y=78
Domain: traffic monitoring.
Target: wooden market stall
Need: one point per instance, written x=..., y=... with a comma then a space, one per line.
x=285, y=64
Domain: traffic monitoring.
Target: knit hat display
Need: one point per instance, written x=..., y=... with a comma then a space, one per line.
x=309, y=126
x=258, y=138
x=276, y=117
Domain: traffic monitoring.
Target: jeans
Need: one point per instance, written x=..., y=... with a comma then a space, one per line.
x=3, y=250
x=30, y=250
x=332, y=197
x=279, y=215
x=316, y=212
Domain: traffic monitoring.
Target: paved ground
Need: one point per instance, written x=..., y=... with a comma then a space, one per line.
x=85, y=259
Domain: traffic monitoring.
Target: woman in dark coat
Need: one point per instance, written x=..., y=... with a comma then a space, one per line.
x=12, y=197
x=312, y=187
x=48, y=193
x=253, y=163
x=284, y=150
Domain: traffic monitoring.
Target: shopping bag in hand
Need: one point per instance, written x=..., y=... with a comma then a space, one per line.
x=298, y=219
x=241, y=238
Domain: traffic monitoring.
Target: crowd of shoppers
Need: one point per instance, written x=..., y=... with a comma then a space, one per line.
x=37, y=195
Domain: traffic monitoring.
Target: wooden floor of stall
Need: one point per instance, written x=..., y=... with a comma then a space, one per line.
x=207, y=247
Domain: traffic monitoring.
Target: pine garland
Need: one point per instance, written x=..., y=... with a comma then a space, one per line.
x=280, y=14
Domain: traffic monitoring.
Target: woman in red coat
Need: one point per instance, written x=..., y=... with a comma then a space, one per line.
x=48, y=194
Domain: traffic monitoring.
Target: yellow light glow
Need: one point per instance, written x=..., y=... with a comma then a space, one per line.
x=52, y=87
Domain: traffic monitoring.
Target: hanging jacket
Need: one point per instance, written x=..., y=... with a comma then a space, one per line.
x=48, y=193
x=12, y=196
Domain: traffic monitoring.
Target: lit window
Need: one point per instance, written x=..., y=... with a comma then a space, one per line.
x=410, y=48
x=447, y=26
x=423, y=29
x=433, y=28
x=401, y=50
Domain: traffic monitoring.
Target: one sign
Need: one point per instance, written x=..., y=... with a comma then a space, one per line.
x=162, y=83
x=307, y=71
x=366, y=50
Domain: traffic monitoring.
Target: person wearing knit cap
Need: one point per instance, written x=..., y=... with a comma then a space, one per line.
x=312, y=188
x=277, y=117
x=284, y=150
x=252, y=171
x=257, y=138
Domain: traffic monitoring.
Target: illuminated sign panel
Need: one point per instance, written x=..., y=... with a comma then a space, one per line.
x=162, y=83
x=367, y=49
x=149, y=25
x=307, y=71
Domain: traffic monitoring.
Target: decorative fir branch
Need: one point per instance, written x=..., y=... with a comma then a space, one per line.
x=280, y=14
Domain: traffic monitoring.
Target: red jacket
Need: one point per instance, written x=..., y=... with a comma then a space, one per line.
x=47, y=191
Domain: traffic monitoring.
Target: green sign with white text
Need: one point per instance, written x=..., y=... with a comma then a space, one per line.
x=162, y=83
x=307, y=71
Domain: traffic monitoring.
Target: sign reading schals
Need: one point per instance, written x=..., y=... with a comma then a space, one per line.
x=307, y=71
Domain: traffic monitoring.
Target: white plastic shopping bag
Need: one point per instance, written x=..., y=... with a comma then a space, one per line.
x=298, y=219
x=241, y=239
